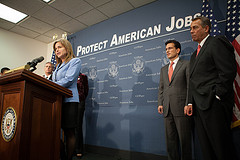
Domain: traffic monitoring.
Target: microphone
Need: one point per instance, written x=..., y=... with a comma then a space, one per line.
x=35, y=61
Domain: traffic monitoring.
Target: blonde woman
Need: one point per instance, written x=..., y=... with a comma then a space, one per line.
x=66, y=75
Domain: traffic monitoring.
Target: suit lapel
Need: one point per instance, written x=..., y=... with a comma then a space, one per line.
x=165, y=72
x=58, y=68
x=62, y=65
x=178, y=66
x=50, y=78
x=194, y=59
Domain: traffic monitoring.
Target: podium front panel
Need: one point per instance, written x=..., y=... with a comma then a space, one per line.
x=11, y=97
x=38, y=113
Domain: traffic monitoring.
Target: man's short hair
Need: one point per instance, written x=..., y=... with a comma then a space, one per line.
x=176, y=44
x=50, y=63
x=4, y=69
x=204, y=22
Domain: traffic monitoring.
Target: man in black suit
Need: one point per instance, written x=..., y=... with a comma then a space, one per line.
x=211, y=96
x=172, y=99
x=48, y=69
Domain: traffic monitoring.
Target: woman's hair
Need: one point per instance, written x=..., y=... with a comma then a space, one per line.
x=67, y=45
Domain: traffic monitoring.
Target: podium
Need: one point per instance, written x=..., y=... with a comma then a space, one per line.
x=30, y=114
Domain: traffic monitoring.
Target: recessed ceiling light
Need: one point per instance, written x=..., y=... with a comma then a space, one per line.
x=48, y=1
x=11, y=14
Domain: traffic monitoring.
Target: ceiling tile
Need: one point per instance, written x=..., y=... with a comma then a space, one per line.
x=5, y=24
x=92, y=17
x=138, y=3
x=97, y=3
x=72, y=26
x=44, y=39
x=28, y=7
x=64, y=15
x=54, y=31
x=36, y=25
x=115, y=7
x=51, y=16
x=72, y=8
x=25, y=32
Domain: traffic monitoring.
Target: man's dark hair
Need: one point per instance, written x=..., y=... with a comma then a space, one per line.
x=176, y=44
x=4, y=69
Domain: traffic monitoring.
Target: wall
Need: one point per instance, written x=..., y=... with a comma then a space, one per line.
x=17, y=50
x=122, y=58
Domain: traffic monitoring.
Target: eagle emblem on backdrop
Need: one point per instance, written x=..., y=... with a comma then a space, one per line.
x=138, y=66
x=92, y=72
x=113, y=70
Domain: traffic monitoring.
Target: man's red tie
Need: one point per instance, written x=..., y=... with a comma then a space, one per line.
x=170, y=72
x=198, y=49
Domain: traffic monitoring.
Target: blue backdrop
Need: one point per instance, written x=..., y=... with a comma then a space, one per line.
x=122, y=58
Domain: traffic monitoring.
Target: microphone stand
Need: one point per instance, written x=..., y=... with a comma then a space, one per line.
x=33, y=69
x=33, y=65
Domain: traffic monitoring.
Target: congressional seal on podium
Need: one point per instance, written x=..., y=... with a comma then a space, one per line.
x=8, y=124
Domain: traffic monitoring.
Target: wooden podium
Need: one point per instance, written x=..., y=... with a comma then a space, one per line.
x=34, y=134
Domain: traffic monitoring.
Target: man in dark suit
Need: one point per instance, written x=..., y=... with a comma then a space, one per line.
x=211, y=96
x=172, y=99
x=48, y=69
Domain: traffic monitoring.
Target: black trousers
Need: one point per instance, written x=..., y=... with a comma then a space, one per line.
x=178, y=131
x=236, y=141
x=214, y=132
x=79, y=131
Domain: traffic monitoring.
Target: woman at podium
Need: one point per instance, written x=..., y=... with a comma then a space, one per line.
x=66, y=75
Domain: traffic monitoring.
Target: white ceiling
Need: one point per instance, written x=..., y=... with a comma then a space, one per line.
x=46, y=20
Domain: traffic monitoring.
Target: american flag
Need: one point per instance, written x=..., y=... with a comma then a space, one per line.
x=53, y=60
x=233, y=34
x=207, y=12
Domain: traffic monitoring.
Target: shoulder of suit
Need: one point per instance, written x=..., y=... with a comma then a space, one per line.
x=218, y=38
x=75, y=59
x=183, y=60
x=221, y=40
x=166, y=66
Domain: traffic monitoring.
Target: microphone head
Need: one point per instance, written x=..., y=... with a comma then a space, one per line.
x=40, y=59
x=36, y=61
